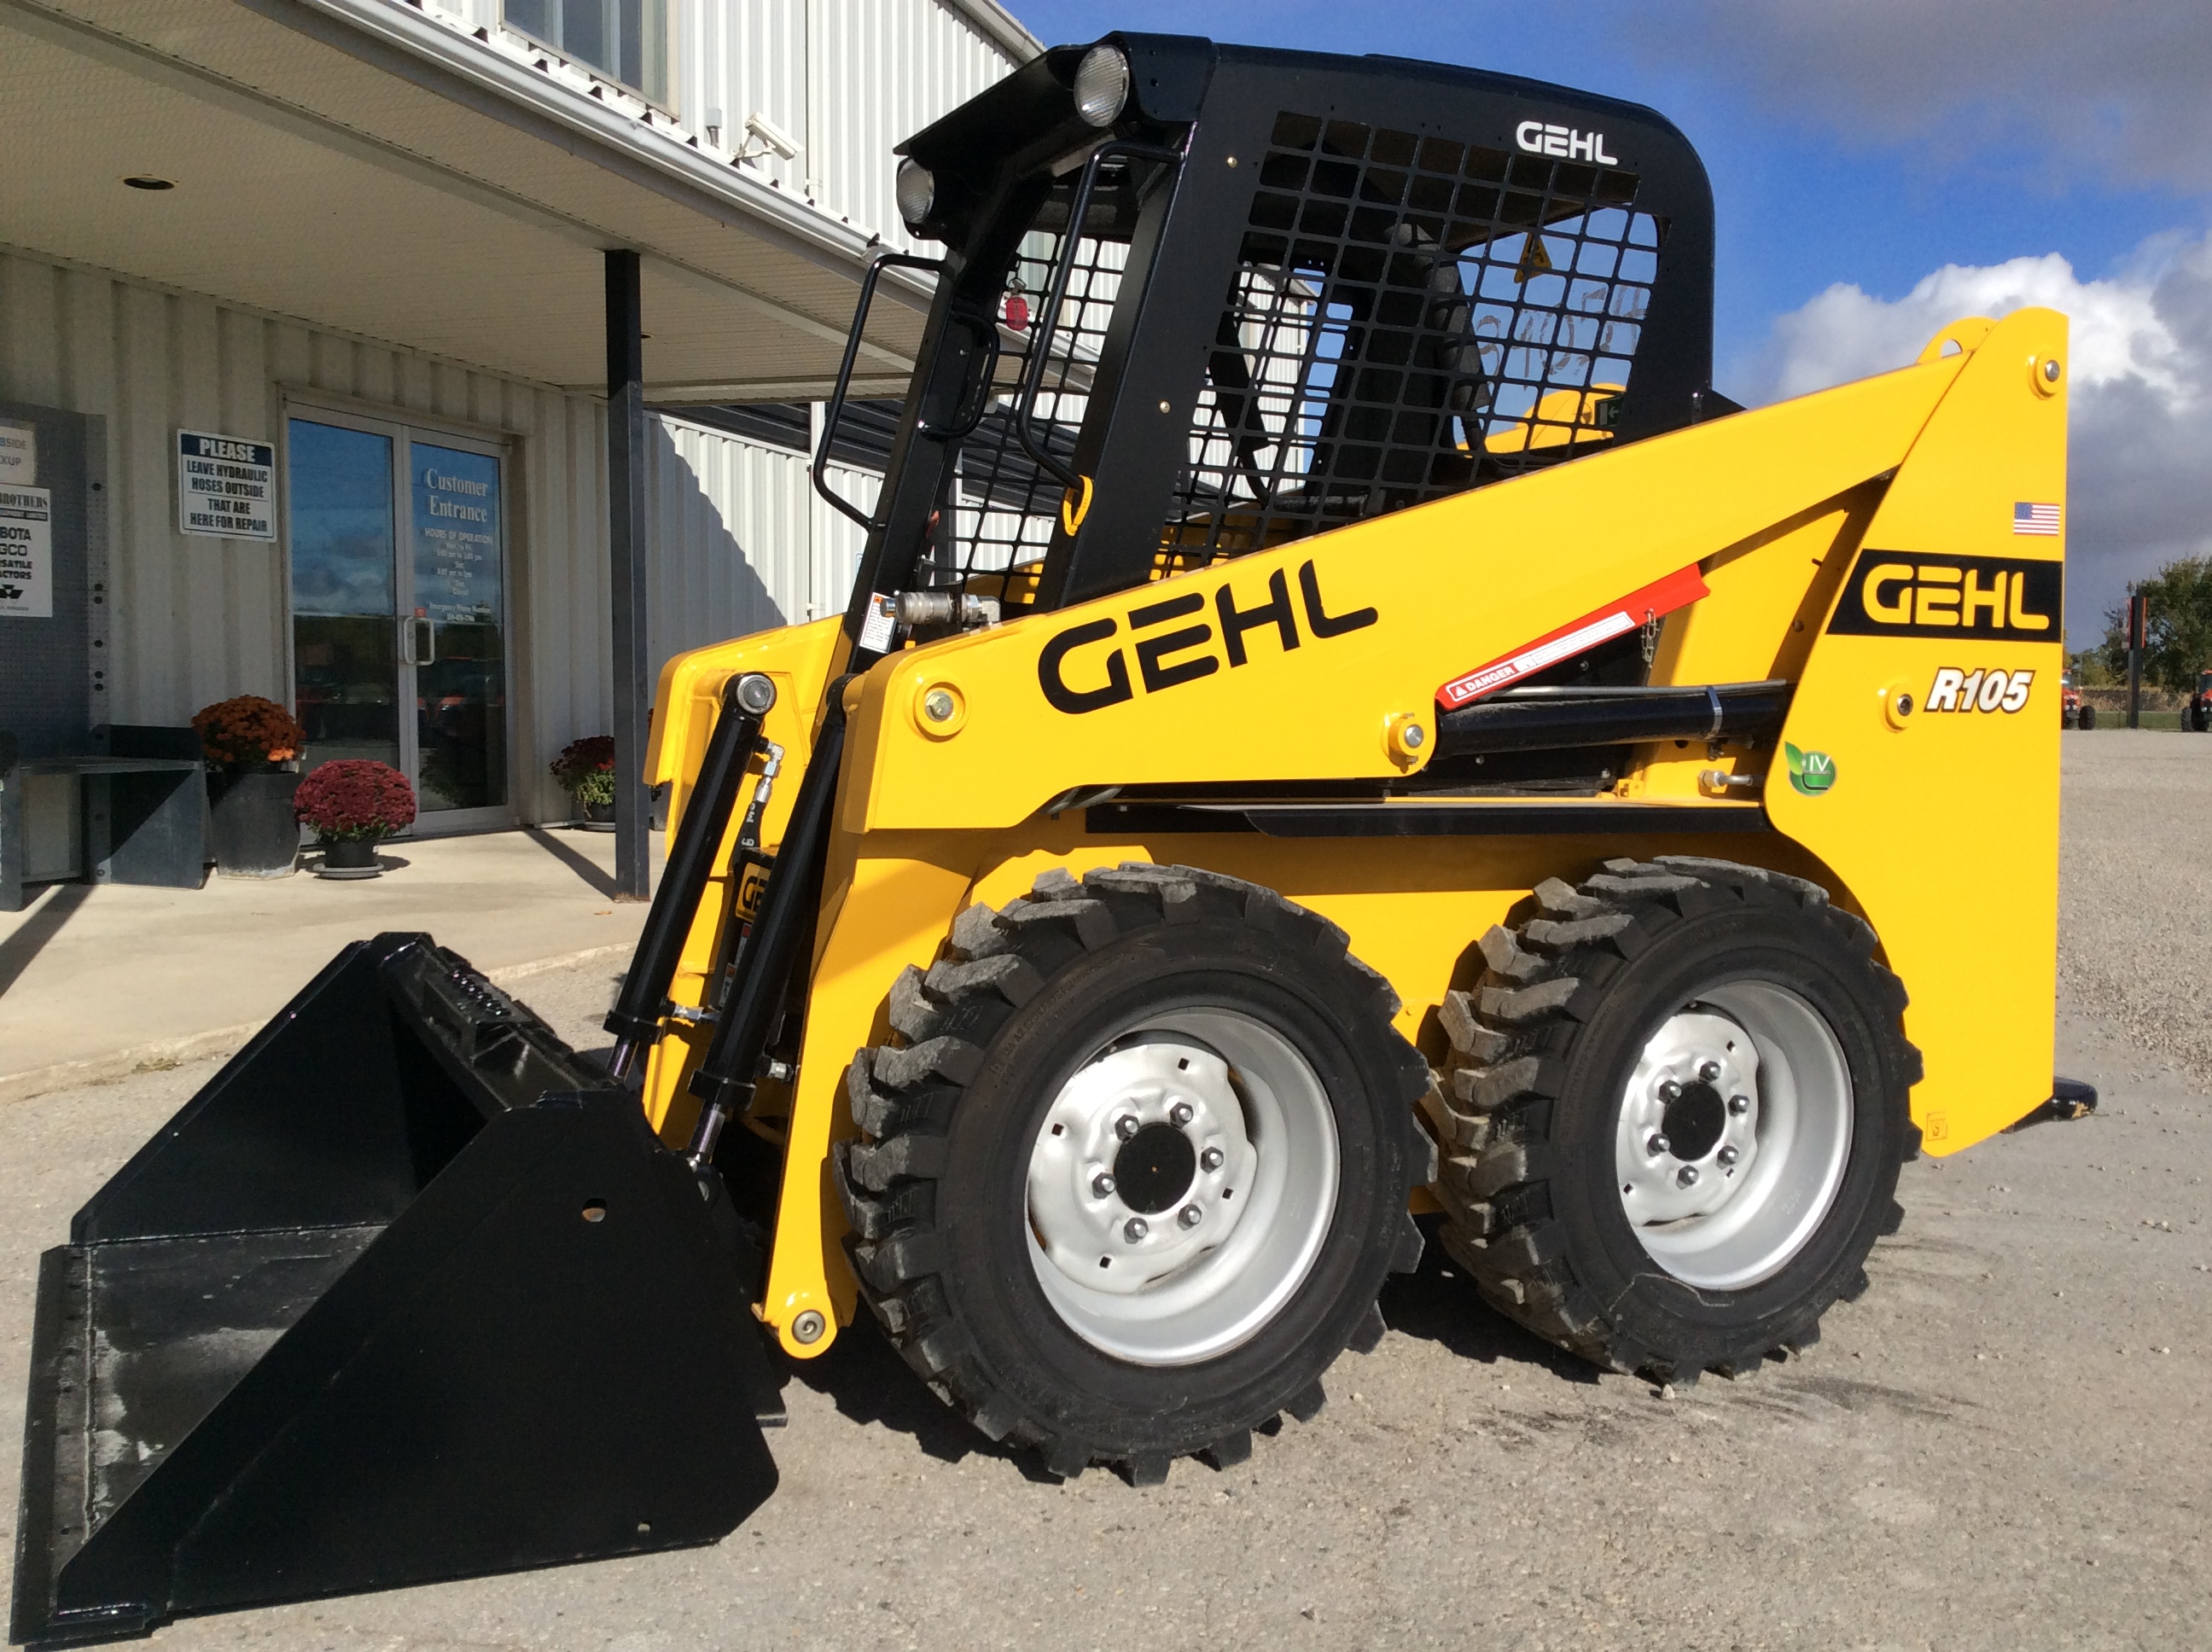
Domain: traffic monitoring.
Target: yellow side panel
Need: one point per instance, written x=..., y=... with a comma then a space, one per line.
x=797, y=660
x=1944, y=825
x=1450, y=585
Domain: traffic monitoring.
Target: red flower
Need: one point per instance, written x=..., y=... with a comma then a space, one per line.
x=246, y=731
x=579, y=764
x=354, y=797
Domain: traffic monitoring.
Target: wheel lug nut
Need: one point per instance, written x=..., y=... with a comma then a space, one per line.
x=1727, y=1155
x=1658, y=1143
x=1670, y=1091
x=1126, y=1125
x=1709, y=1071
x=1210, y=1159
x=1190, y=1216
x=1102, y=1184
x=1135, y=1229
x=1739, y=1105
x=1182, y=1113
x=1687, y=1176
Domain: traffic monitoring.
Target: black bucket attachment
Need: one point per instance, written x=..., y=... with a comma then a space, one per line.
x=406, y=1293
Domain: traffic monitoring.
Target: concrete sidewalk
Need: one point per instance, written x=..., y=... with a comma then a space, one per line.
x=100, y=982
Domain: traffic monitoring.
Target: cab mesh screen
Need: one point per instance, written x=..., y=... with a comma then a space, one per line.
x=1409, y=317
x=1004, y=505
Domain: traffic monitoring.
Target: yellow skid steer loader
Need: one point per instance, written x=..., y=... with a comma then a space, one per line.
x=1337, y=722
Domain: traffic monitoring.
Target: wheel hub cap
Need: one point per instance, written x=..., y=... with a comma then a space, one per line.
x=1153, y=1169
x=1181, y=1185
x=1733, y=1135
x=1674, y=1117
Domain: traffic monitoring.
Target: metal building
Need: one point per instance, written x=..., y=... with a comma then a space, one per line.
x=372, y=249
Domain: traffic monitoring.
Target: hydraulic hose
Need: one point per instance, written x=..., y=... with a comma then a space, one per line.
x=635, y=1019
x=726, y=1079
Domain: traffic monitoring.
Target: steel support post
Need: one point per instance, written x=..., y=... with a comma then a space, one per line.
x=626, y=566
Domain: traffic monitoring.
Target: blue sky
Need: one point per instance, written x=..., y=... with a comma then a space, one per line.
x=1806, y=196
x=1868, y=144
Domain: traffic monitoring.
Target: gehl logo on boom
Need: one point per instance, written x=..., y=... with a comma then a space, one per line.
x=1902, y=593
x=1186, y=653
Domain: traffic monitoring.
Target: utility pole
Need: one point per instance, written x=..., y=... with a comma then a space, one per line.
x=2138, y=626
x=626, y=565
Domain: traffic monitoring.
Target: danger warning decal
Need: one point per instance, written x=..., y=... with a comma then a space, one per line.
x=1655, y=601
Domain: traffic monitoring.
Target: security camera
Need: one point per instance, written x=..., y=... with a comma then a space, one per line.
x=770, y=137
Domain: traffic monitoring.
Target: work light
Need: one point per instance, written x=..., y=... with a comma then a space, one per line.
x=1101, y=85
x=916, y=191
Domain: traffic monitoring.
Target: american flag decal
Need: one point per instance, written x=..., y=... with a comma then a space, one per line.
x=2039, y=520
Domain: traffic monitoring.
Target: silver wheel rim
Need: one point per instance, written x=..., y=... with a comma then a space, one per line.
x=1175, y=1283
x=1734, y=1133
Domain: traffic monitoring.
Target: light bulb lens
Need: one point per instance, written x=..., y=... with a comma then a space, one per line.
x=1101, y=85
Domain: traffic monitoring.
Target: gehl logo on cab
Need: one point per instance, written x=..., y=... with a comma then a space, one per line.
x=1901, y=593
x=1186, y=653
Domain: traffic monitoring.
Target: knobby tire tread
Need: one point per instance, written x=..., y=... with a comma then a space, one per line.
x=1512, y=1036
x=903, y=1098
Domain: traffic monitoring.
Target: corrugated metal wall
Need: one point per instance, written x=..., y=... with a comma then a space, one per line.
x=740, y=542
x=196, y=619
x=878, y=71
x=844, y=79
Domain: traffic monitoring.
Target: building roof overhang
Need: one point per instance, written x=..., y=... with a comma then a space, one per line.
x=358, y=167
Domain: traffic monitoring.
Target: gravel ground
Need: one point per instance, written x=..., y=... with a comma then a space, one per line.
x=2004, y=1444
x=2135, y=881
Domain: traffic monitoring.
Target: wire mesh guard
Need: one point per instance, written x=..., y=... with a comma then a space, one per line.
x=1006, y=505
x=1409, y=317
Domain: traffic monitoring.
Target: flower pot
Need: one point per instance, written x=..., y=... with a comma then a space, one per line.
x=251, y=828
x=350, y=853
x=597, y=816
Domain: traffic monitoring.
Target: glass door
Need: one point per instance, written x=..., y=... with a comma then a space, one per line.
x=398, y=600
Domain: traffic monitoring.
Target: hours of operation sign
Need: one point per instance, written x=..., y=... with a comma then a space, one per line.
x=226, y=487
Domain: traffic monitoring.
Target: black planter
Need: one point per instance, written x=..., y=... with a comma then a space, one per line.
x=251, y=828
x=351, y=855
x=597, y=816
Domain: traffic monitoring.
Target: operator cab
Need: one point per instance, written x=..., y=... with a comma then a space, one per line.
x=1196, y=301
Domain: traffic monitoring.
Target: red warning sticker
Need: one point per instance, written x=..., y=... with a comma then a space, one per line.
x=1655, y=601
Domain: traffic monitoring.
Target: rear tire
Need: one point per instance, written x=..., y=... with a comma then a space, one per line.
x=1731, y=1006
x=1219, y=1048
x=2088, y=717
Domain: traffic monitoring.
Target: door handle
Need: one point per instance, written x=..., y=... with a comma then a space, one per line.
x=418, y=641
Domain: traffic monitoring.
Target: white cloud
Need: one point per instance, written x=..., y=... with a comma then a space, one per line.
x=2140, y=459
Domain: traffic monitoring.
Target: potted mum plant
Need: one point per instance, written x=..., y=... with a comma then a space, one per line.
x=352, y=803
x=251, y=745
x=586, y=771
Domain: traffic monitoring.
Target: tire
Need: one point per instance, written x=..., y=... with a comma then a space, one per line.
x=2088, y=717
x=1567, y=1202
x=1253, y=1045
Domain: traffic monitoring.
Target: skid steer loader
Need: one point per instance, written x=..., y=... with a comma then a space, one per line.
x=1338, y=722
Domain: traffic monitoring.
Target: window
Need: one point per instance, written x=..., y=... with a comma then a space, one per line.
x=626, y=41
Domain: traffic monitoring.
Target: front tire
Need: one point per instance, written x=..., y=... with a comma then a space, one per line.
x=1139, y=1168
x=1679, y=1101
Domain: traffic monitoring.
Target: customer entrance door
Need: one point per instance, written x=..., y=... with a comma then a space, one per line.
x=399, y=608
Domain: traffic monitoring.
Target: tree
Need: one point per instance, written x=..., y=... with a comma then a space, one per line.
x=2178, y=642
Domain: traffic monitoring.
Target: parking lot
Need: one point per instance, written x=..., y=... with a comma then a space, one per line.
x=2004, y=1443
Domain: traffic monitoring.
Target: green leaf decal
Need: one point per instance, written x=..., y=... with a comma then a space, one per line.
x=1811, y=773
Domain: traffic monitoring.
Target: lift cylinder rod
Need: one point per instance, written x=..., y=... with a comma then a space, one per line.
x=635, y=1019
x=725, y=1081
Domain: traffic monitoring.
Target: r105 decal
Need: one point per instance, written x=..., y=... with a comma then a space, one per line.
x=1955, y=690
